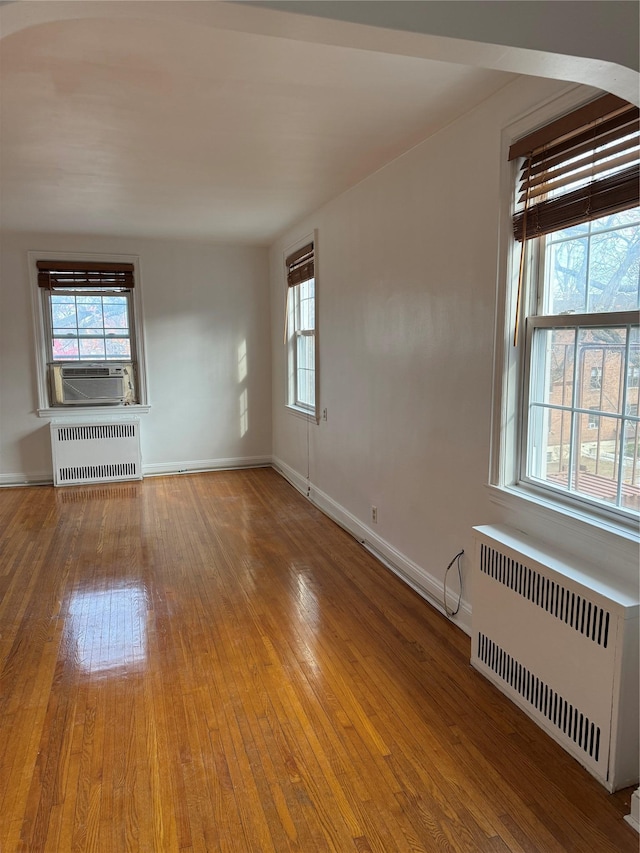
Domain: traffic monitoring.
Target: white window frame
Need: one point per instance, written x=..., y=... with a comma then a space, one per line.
x=294, y=403
x=506, y=487
x=43, y=343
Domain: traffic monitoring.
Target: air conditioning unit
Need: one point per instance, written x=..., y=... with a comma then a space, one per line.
x=88, y=384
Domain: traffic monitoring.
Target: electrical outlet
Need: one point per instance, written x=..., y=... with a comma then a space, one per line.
x=324, y=414
x=374, y=514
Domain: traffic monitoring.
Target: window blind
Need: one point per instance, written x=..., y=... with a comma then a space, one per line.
x=300, y=265
x=61, y=274
x=578, y=168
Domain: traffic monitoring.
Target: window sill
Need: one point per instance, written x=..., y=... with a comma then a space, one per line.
x=303, y=413
x=595, y=539
x=79, y=412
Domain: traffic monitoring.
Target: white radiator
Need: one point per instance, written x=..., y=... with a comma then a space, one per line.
x=561, y=645
x=95, y=452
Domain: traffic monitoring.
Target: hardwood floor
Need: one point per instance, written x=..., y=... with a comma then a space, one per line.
x=207, y=663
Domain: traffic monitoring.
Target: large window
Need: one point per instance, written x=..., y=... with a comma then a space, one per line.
x=578, y=221
x=301, y=330
x=88, y=342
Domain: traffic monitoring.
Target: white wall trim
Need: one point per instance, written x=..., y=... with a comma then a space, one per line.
x=425, y=584
x=9, y=481
x=582, y=532
x=159, y=470
x=202, y=465
x=72, y=413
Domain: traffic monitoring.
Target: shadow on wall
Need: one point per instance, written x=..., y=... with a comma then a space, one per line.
x=34, y=451
x=244, y=397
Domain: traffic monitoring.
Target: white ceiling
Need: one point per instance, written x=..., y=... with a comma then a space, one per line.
x=226, y=121
x=147, y=121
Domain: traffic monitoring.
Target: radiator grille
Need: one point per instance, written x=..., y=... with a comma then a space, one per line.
x=575, y=610
x=93, y=452
x=569, y=720
x=97, y=472
x=96, y=431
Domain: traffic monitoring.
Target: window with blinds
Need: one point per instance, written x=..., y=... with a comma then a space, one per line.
x=301, y=337
x=88, y=310
x=88, y=326
x=580, y=168
x=577, y=218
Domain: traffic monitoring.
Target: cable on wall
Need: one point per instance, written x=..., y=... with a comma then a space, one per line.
x=451, y=613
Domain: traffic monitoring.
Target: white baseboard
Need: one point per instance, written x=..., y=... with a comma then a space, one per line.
x=164, y=468
x=13, y=480
x=203, y=465
x=424, y=583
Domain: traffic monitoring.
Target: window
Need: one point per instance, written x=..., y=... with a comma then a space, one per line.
x=89, y=344
x=87, y=311
x=578, y=220
x=301, y=330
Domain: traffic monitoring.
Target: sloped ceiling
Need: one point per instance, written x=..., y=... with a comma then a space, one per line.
x=200, y=120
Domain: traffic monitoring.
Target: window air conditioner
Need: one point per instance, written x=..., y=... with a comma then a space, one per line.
x=91, y=384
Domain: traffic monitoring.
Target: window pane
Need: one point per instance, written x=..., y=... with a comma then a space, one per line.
x=566, y=269
x=306, y=370
x=582, y=433
x=306, y=305
x=115, y=312
x=601, y=359
x=550, y=445
x=92, y=349
x=613, y=270
x=63, y=312
x=552, y=366
x=65, y=348
x=596, y=467
x=118, y=348
x=594, y=270
x=90, y=313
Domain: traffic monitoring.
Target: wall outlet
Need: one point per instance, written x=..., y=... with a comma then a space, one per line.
x=374, y=514
x=324, y=414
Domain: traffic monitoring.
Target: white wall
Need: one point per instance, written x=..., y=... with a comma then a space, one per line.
x=407, y=269
x=203, y=305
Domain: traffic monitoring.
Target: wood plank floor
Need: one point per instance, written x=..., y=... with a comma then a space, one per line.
x=207, y=663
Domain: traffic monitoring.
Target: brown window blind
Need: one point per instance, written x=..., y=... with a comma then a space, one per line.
x=61, y=274
x=300, y=265
x=581, y=167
